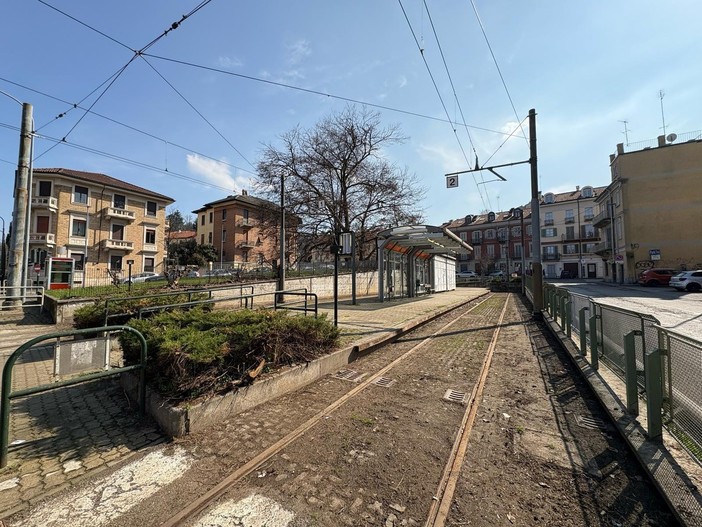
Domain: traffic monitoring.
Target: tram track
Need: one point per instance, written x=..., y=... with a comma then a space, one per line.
x=452, y=342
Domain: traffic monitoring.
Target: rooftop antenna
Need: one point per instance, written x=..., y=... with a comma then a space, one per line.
x=626, y=131
x=661, y=94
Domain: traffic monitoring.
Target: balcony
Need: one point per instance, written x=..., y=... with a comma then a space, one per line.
x=568, y=237
x=603, y=219
x=76, y=240
x=569, y=219
x=45, y=202
x=478, y=241
x=43, y=238
x=588, y=217
x=118, y=245
x=121, y=214
x=245, y=223
x=247, y=245
x=548, y=222
x=150, y=248
x=602, y=248
x=550, y=257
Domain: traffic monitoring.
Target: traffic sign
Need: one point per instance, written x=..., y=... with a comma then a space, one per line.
x=451, y=181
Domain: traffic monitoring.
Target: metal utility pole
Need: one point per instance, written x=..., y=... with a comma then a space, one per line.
x=281, y=263
x=21, y=206
x=537, y=272
x=3, y=263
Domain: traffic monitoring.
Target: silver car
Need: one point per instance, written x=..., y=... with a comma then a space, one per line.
x=687, y=281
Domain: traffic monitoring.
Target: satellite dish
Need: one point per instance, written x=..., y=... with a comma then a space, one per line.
x=671, y=137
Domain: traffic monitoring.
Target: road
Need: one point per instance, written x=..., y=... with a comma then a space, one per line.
x=680, y=312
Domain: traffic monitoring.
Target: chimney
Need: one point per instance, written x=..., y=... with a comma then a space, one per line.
x=661, y=140
x=244, y=192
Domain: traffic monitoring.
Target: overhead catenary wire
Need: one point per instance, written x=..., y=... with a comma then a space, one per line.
x=125, y=125
x=441, y=99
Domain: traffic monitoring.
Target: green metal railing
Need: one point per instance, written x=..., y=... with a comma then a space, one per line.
x=7, y=394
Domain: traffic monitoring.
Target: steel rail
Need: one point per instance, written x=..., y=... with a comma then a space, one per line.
x=200, y=504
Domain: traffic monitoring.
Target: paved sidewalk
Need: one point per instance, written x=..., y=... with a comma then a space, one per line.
x=60, y=436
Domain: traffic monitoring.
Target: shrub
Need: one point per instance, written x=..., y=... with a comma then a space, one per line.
x=193, y=353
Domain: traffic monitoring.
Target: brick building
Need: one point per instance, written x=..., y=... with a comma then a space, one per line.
x=99, y=221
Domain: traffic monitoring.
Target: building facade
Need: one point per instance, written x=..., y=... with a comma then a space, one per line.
x=234, y=227
x=496, y=238
x=568, y=236
x=649, y=213
x=99, y=221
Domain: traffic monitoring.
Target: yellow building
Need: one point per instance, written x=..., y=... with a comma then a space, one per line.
x=650, y=213
x=99, y=221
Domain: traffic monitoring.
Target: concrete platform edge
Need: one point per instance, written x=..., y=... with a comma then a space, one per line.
x=681, y=495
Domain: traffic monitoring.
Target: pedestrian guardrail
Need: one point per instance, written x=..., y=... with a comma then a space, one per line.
x=21, y=296
x=295, y=306
x=7, y=394
x=659, y=364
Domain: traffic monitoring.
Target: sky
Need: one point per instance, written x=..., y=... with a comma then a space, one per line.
x=190, y=116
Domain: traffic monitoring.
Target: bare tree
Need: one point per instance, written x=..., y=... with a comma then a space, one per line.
x=337, y=179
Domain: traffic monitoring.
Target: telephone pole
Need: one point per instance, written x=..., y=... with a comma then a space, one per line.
x=19, y=213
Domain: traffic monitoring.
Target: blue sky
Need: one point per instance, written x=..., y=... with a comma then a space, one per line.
x=584, y=67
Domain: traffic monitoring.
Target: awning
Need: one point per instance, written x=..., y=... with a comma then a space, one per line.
x=426, y=238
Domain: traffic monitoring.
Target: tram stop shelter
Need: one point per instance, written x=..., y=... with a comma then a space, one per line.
x=417, y=259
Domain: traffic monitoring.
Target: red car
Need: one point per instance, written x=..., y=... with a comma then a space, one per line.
x=656, y=276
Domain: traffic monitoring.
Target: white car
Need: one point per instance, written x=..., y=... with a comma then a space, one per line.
x=136, y=278
x=687, y=281
x=467, y=274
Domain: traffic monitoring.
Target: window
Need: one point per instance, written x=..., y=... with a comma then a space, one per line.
x=502, y=234
x=491, y=251
x=116, y=262
x=490, y=234
x=588, y=213
x=151, y=208
x=569, y=217
x=45, y=188
x=246, y=214
x=224, y=214
x=79, y=258
x=588, y=247
x=119, y=201
x=548, y=218
x=549, y=198
x=149, y=264
x=245, y=256
x=550, y=250
x=549, y=232
x=618, y=227
x=117, y=232
x=464, y=236
x=589, y=231
x=476, y=252
x=528, y=230
x=150, y=236
x=202, y=220
x=211, y=216
x=42, y=224
x=518, y=250
x=224, y=235
x=476, y=236
x=516, y=231
x=491, y=216
x=570, y=232
x=570, y=248
x=209, y=238
x=202, y=239
x=586, y=192
x=80, y=195
x=78, y=228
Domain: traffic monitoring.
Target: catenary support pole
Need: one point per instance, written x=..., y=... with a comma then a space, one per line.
x=537, y=273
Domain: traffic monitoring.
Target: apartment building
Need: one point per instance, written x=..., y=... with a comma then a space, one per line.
x=234, y=226
x=568, y=236
x=649, y=213
x=98, y=220
x=496, y=238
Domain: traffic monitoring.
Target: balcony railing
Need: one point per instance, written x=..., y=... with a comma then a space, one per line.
x=478, y=241
x=150, y=247
x=548, y=222
x=603, y=218
x=602, y=247
x=245, y=222
x=45, y=202
x=120, y=245
x=123, y=214
x=44, y=238
x=588, y=217
x=550, y=257
x=247, y=245
x=569, y=219
x=567, y=237
x=76, y=240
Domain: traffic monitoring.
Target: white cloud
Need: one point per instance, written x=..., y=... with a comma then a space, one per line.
x=450, y=159
x=229, y=62
x=215, y=172
x=402, y=81
x=298, y=50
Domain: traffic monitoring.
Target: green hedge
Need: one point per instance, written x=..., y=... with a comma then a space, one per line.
x=197, y=352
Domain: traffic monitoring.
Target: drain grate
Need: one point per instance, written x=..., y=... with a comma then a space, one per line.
x=349, y=375
x=454, y=396
x=593, y=423
x=385, y=382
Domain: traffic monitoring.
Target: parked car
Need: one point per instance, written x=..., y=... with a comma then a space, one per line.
x=687, y=281
x=567, y=274
x=498, y=275
x=656, y=276
x=218, y=273
x=139, y=277
x=193, y=274
x=156, y=278
x=467, y=274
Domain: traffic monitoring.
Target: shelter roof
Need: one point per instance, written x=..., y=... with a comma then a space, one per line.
x=426, y=238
